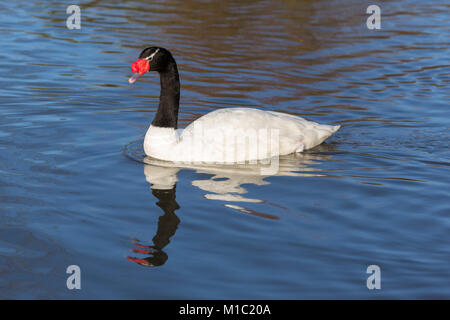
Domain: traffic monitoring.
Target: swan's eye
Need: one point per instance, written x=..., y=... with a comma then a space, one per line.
x=150, y=57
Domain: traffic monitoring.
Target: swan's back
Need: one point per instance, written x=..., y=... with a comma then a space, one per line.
x=238, y=134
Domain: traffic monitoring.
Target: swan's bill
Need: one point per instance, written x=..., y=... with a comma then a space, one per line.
x=133, y=78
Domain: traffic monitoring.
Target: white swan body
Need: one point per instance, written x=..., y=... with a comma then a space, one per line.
x=231, y=135
x=234, y=135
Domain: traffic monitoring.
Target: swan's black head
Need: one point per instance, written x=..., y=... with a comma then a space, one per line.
x=151, y=59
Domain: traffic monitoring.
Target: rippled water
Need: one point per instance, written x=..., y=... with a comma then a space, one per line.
x=71, y=126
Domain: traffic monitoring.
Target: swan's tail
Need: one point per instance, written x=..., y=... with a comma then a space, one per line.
x=335, y=128
x=320, y=133
x=326, y=131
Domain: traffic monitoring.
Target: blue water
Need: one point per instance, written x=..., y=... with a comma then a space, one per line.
x=75, y=188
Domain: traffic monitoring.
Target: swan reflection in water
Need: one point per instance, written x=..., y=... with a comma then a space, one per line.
x=167, y=226
x=225, y=184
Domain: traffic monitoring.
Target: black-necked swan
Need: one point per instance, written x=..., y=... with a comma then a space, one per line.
x=228, y=135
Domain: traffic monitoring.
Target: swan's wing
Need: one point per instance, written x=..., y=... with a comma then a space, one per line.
x=243, y=133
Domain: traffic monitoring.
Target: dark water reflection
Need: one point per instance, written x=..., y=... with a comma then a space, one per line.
x=375, y=193
x=167, y=226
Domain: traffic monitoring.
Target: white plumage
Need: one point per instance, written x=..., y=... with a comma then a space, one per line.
x=235, y=135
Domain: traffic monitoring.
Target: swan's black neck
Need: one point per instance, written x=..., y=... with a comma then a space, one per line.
x=169, y=100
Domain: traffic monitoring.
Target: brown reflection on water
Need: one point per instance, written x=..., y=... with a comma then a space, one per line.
x=256, y=52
